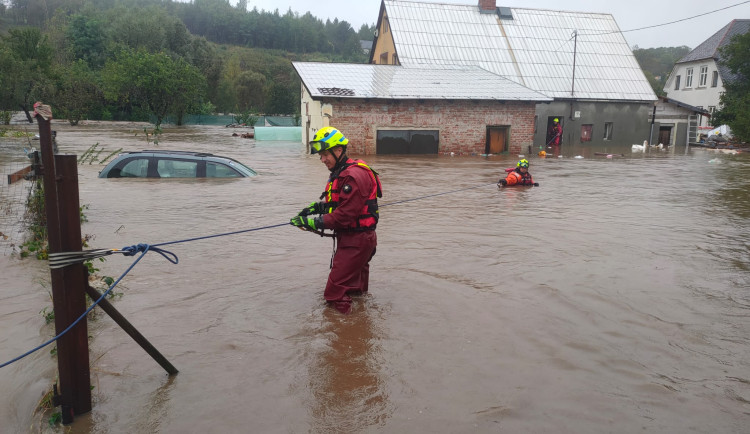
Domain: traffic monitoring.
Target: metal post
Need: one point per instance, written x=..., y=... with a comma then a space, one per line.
x=651, y=134
x=575, y=48
x=64, y=234
x=130, y=330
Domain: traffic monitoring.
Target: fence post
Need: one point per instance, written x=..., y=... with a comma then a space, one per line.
x=68, y=297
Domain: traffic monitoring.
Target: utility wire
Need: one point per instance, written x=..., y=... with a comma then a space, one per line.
x=671, y=22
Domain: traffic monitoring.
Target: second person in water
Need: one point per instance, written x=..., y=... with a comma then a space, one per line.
x=518, y=176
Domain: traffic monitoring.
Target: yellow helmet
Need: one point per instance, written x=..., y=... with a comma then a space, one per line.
x=327, y=138
x=542, y=154
x=556, y=120
x=523, y=163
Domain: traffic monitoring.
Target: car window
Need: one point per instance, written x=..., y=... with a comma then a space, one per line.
x=137, y=168
x=217, y=170
x=177, y=168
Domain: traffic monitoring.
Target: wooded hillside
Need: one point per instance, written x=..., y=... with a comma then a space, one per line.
x=139, y=59
x=134, y=59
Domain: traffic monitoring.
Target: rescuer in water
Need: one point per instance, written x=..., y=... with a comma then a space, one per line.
x=349, y=207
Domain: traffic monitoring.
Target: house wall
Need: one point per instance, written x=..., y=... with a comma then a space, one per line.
x=678, y=118
x=462, y=124
x=384, y=43
x=630, y=121
x=705, y=97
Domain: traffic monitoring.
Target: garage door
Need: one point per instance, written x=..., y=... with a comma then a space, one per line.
x=407, y=142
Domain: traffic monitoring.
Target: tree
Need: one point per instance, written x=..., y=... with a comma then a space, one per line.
x=155, y=82
x=366, y=32
x=735, y=101
x=657, y=63
x=87, y=39
x=77, y=91
x=25, y=69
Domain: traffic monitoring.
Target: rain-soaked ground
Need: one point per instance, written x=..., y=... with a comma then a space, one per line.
x=612, y=298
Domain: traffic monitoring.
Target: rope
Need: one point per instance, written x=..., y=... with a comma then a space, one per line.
x=63, y=259
x=436, y=194
x=145, y=250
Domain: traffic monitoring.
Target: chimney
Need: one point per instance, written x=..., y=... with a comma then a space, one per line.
x=487, y=6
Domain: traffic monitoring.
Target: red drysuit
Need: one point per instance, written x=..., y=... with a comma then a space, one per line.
x=354, y=191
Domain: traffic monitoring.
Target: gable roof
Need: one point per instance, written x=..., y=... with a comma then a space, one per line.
x=349, y=80
x=535, y=48
x=710, y=48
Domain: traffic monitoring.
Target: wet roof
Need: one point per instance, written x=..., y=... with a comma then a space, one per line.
x=346, y=80
x=534, y=48
x=709, y=49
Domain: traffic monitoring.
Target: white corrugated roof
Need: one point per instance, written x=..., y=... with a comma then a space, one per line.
x=535, y=48
x=347, y=80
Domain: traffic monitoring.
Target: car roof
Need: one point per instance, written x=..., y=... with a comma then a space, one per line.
x=179, y=153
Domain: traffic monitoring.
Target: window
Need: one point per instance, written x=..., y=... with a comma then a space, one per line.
x=703, y=77
x=689, y=78
x=177, y=168
x=407, y=142
x=386, y=26
x=394, y=59
x=137, y=168
x=711, y=109
x=384, y=58
x=677, y=83
x=216, y=170
x=608, y=127
x=715, y=79
x=586, y=131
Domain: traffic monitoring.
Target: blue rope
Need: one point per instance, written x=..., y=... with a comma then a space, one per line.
x=132, y=250
x=144, y=248
x=171, y=257
x=218, y=235
x=436, y=194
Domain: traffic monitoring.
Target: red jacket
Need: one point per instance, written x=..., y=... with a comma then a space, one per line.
x=354, y=193
x=554, y=135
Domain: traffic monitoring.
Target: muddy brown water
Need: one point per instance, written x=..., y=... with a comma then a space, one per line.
x=613, y=298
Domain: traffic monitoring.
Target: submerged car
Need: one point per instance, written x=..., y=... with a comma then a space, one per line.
x=174, y=164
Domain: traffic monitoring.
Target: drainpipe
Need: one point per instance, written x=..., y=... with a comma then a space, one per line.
x=653, y=118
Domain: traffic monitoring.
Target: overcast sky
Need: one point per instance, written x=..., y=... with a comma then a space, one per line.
x=629, y=14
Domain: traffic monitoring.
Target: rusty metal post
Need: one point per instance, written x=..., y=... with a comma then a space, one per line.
x=132, y=331
x=68, y=283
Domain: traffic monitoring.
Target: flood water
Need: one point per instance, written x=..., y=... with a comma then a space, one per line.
x=612, y=298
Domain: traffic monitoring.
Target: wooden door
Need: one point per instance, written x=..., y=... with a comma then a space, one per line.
x=665, y=134
x=497, y=138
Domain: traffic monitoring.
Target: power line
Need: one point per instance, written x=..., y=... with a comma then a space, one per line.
x=671, y=22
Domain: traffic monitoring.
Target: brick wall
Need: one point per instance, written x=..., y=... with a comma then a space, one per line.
x=462, y=124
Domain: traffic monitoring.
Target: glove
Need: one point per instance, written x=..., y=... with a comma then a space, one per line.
x=307, y=223
x=313, y=208
x=536, y=184
x=502, y=182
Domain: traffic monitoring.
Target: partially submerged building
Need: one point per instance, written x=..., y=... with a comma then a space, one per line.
x=581, y=60
x=698, y=78
x=675, y=123
x=390, y=109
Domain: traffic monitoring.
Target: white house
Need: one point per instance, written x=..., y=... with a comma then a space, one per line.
x=698, y=78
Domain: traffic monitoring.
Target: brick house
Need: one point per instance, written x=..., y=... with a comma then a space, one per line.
x=388, y=109
x=581, y=60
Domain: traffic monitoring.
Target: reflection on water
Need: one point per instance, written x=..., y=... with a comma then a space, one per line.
x=614, y=295
x=348, y=393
